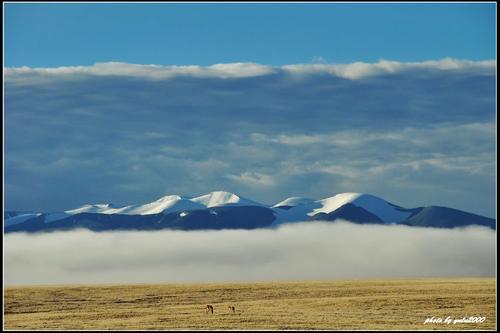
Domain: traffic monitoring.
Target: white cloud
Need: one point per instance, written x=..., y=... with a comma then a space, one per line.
x=157, y=72
x=253, y=179
x=358, y=70
x=289, y=139
x=154, y=135
x=238, y=70
x=301, y=251
x=353, y=71
x=423, y=137
x=425, y=133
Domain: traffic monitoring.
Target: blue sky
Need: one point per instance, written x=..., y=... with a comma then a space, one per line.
x=48, y=35
x=299, y=116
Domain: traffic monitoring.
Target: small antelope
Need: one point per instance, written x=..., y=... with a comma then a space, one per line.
x=210, y=309
x=231, y=308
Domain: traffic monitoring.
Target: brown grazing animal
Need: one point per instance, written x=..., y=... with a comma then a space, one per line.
x=231, y=308
x=210, y=309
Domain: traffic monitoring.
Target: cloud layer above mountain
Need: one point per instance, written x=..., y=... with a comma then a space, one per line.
x=353, y=71
x=415, y=134
x=299, y=251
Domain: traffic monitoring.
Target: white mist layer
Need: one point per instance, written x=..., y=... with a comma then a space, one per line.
x=301, y=251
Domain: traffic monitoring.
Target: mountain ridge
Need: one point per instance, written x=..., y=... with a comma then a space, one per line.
x=220, y=209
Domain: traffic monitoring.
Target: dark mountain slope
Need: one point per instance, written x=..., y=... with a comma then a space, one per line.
x=443, y=217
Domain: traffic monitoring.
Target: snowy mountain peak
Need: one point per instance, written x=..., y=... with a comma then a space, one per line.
x=105, y=205
x=332, y=203
x=90, y=208
x=222, y=198
x=294, y=201
x=169, y=198
x=375, y=205
x=166, y=204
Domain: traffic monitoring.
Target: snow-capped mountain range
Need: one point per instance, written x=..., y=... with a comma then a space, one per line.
x=224, y=210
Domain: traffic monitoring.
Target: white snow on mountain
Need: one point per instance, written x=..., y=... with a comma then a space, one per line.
x=302, y=209
x=370, y=203
x=221, y=198
x=169, y=204
x=294, y=201
x=166, y=204
x=96, y=208
x=293, y=209
x=19, y=218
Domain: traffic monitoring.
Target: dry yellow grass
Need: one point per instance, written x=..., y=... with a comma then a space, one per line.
x=350, y=304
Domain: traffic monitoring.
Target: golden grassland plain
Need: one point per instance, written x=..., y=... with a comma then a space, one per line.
x=346, y=304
